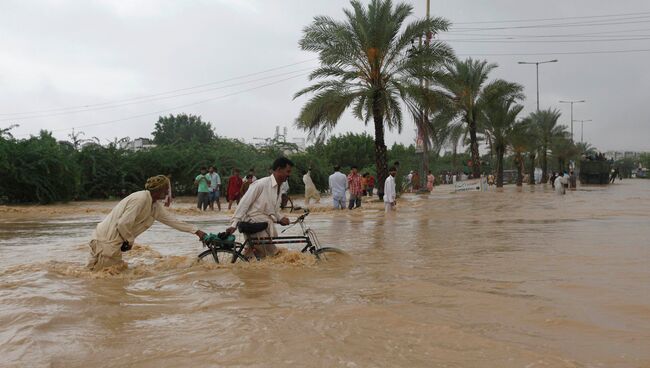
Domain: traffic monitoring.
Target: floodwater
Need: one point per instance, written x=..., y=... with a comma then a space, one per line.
x=519, y=278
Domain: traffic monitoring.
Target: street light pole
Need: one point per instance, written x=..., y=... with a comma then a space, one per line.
x=537, y=73
x=572, y=102
x=582, y=128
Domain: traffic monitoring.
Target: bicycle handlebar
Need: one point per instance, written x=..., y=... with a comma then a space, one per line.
x=301, y=217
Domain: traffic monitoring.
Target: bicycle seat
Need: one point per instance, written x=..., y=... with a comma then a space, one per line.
x=252, y=227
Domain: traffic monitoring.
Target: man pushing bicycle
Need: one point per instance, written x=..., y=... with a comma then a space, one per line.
x=260, y=206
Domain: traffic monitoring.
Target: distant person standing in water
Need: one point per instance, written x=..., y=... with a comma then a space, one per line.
x=338, y=184
x=552, y=179
x=202, y=181
x=235, y=183
x=390, y=195
x=371, y=184
x=573, y=182
x=560, y=181
x=130, y=218
x=430, y=181
x=215, y=188
x=356, y=191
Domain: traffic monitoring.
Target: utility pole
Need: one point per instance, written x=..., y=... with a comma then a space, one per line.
x=572, y=102
x=582, y=128
x=537, y=73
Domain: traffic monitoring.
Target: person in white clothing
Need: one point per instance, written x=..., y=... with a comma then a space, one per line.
x=338, y=185
x=130, y=218
x=261, y=203
x=559, y=183
x=390, y=195
x=310, y=188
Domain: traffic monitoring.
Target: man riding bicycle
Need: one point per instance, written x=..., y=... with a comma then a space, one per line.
x=261, y=204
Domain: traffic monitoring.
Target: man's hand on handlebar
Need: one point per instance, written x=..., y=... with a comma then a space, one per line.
x=284, y=221
x=230, y=230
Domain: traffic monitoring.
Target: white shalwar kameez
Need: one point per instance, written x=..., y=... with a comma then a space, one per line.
x=261, y=203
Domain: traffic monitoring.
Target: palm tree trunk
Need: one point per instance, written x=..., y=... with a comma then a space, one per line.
x=531, y=169
x=519, y=160
x=476, y=159
x=500, y=167
x=544, y=166
x=380, y=150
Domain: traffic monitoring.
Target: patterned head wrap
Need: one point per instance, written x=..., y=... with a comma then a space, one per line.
x=157, y=182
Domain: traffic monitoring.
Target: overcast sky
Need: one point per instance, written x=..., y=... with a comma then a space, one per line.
x=103, y=54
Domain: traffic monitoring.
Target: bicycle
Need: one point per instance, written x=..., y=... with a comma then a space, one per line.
x=230, y=251
x=287, y=202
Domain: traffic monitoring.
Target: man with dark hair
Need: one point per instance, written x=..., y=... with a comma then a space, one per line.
x=390, y=194
x=215, y=187
x=130, y=218
x=338, y=185
x=356, y=190
x=261, y=203
x=202, y=181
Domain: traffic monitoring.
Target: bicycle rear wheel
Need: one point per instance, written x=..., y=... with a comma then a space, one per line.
x=330, y=254
x=221, y=256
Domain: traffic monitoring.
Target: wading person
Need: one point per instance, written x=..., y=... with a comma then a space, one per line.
x=130, y=218
x=560, y=182
x=338, y=184
x=310, y=188
x=390, y=195
x=415, y=181
x=371, y=184
x=215, y=188
x=356, y=190
x=430, y=181
x=202, y=181
x=234, y=188
x=261, y=203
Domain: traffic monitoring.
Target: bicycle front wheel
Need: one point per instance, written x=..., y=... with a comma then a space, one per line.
x=330, y=254
x=221, y=256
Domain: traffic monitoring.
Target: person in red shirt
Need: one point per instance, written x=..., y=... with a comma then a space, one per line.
x=235, y=183
x=356, y=190
x=371, y=184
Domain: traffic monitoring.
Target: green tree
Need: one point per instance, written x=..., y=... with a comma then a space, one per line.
x=497, y=120
x=545, y=123
x=365, y=66
x=562, y=148
x=522, y=140
x=467, y=87
x=38, y=169
x=182, y=128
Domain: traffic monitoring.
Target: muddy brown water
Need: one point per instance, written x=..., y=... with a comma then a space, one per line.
x=519, y=278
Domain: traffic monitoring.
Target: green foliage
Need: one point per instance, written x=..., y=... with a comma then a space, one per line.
x=182, y=128
x=368, y=64
x=37, y=169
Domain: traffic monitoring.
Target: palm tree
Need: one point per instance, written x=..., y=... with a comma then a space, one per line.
x=562, y=148
x=521, y=138
x=466, y=85
x=366, y=66
x=585, y=148
x=547, y=128
x=496, y=121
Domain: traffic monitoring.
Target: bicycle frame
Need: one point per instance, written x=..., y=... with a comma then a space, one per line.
x=308, y=238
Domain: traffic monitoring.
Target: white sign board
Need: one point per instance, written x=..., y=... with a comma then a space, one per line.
x=469, y=186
